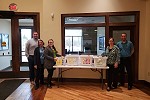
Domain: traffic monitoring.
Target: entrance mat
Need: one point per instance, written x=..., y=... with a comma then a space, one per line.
x=9, y=86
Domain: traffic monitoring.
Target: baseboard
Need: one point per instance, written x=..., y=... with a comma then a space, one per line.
x=143, y=86
x=144, y=83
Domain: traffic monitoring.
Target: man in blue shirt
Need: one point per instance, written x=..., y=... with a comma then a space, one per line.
x=126, y=50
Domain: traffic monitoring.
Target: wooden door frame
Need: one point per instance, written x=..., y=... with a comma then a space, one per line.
x=16, y=43
x=135, y=41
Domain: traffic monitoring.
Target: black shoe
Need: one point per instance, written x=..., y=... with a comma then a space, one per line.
x=42, y=83
x=121, y=84
x=49, y=86
x=108, y=88
x=52, y=84
x=129, y=87
x=114, y=87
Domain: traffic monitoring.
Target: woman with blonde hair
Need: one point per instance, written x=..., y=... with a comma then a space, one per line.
x=51, y=55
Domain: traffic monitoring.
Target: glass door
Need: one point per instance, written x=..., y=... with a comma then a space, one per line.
x=116, y=32
x=5, y=45
x=26, y=30
x=25, y=36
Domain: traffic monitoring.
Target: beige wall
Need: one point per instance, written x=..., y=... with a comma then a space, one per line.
x=146, y=43
x=25, y=6
x=52, y=28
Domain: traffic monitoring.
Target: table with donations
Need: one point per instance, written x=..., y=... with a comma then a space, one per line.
x=95, y=63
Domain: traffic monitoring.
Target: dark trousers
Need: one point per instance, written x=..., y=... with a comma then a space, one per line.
x=112, y=75
x=39, y=75
x=50, y=74
x=31, y=67
x=125, y=62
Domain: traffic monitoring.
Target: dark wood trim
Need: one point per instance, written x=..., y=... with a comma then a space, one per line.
x=107, y=30
x=34, y=15
x=144, y=83
x=136, y=37
x=143, y=86
x=107, y=25
x=6, y=14
x=12, y=74
x=85, y=25
x=62, y=35
x=123, y=24
x=99, y=14
x=16, y=42
x=15, y=45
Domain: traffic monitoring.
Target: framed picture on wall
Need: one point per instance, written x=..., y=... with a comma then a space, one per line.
x=5, y=41
x=101, y=43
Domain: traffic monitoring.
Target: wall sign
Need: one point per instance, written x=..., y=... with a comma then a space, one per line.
x=4, y=41
x=13, y=7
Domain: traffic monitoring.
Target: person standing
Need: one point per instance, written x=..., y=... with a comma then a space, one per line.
x=29, y=52
x=113, y=54
x=126, y=50
x=39, y=63
x=50, y=55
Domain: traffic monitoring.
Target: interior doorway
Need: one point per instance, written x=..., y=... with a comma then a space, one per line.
x=22, y=26
x=115, y=32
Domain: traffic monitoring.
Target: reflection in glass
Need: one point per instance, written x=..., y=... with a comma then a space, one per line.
x=117, y=35
x=130, y=18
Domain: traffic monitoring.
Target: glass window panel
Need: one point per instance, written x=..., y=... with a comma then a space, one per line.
x=24, y=58
x=68, y=43
x=117, y=35
x=84, y=20
x=130, y=18
x=100, y=40
x=26, y=22
x=91, y=40
x=5, y=45
x=25, y=36
x=77, y=44
x=73, y=32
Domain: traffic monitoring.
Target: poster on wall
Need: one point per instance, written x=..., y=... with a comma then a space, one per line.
x=101, y=43
x=4, y=41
